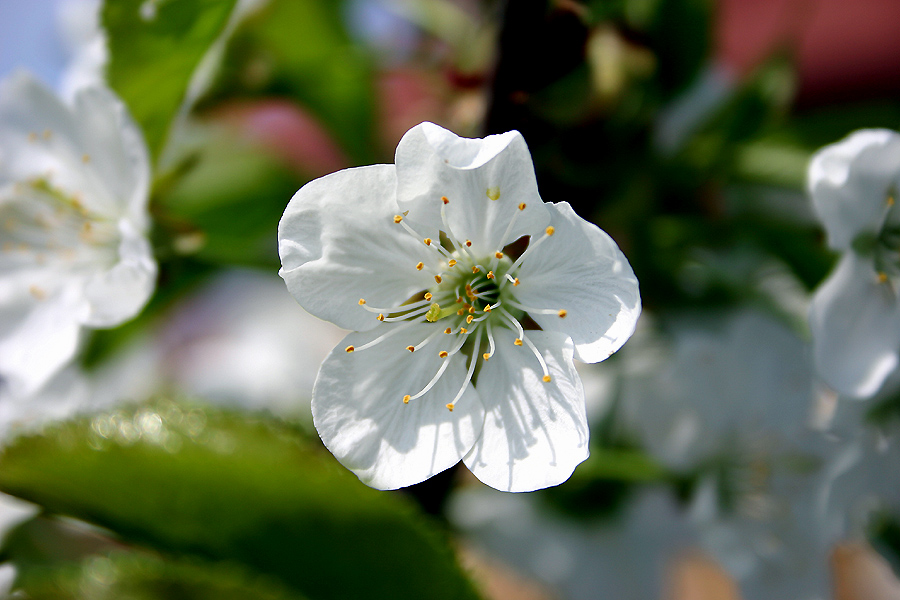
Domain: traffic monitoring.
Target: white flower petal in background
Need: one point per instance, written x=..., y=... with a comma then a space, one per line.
x=73, y=205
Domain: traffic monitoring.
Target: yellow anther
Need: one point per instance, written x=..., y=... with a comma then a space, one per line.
x=467, y=305
x=452, y=263
x=471, y=310
x=461, y=312
x=475, y=270
x=490, y=275
x=562, y=314
x=493, y=193
x=443, y=354
x=469, y=319
x=890, y=200
x=411, y=348
x=420, y=266
x=463, y=330
x=85, y=158
x=550, y=230
x=427, y=241
x=349, y=349
x=882, y=277
x=428, y=295
x=406, y=399
x=450, y=407
x=362, y=301
x=468, y=243
x=487, y=308
x=398, y=218
x=518, y=342
x=437, y=278
x=515, y=282
x=47, y=134
x=486, y=356
x=445, y=200
x=522, y=206
x=498, y=254
x=459, y=299
x=547, y=378
x=380, y=316
x=448, y=331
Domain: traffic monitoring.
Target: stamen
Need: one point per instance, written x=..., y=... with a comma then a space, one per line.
x=469, y=373
x=452, y=263
x=380, y=317
x=411, y=348
x=442, y=354
x=469, y=319
x=437, y=278
x=398, y=218
x=445, y=200
x=505, y=236
x=406, y=399
x=531, y=246
x=475, y=270
x=490, y=275
x=437, y=375
x=403, y=308
x=428, y=296
x=362, y=301
x=514, y=322
x=491, y=346
x=395, y=329
x=540, y=359
x=427, y=241
x=449, y=407
x=498, y=255
x=420, y=266
x=517, y=342
x=349, y=349
x=560, y=312
x=425, y=342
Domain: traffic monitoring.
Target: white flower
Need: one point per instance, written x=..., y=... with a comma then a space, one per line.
x=73, y=215
x=855, y=315
x=414, y=257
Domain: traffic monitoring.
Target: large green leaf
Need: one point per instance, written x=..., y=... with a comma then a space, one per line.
x=155, y=47
x=193, y=481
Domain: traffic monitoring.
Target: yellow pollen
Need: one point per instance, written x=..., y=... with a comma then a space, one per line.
x=406, y=399
x=437, y=278
x=452, y=263
x=448, y=331
x=547, y=379
x=411, y=348
x=469, y=319
x=428, y=295
x=450, y=407
x=469, y=243
x=493, y=193
x=398, y=218
x=362, y=301
x=461, y=312
x=420, y=266
x=486, y=356
x=442, y=354
x=85, y=158
x=518, y=342
x=445, y=200
x=487, y=308
x=562, y=314
x=459, y=300
x=498, y=254
x=471, y=310
x=490, y=275
x=380, y=316
x=427, y=241
x=550, y=230
x=522, y=206
x=475, y=270
x=349, y=349
x=882, y=277
x=890, y=200
x=463, y=330
x=516, y=282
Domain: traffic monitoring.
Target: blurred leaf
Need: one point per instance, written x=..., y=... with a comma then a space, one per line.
x=301, y=48
x=135, y=576
x=681, y=35
x=221, y=486
x=155, y=46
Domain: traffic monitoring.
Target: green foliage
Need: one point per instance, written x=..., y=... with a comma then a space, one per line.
x=191, y=481
x=155, y=47
x=301, y=49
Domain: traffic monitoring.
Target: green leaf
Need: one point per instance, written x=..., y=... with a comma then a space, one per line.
x=139, y=576
x=192, y=481
x=155, y=46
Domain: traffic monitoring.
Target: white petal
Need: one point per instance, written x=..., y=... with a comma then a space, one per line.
x=37, y=337
x=119, y=293
x=535, y=433
x=338, y=243
x=855, y=322
x=581, y=270
x=433, y=162
x=359, y=413
x=850, y=181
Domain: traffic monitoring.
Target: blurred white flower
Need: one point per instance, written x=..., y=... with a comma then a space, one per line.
x=414, y=258
x=74, y=182
x=626, y=557
x=855, y=314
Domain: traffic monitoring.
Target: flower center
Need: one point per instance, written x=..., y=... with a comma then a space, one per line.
x=471, y=296
x=883, y=247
